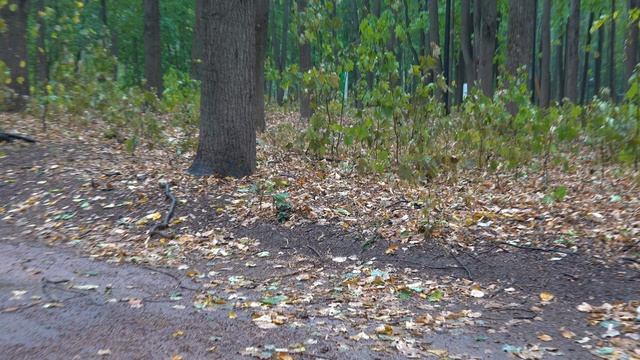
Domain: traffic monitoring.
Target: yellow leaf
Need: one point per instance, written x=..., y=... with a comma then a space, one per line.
x=567, y=334
x=392, y=249
x=546, y=296
x=20, y=80
x=544, y=337
x=176, y=357
x=178, y=333
x=232, y=315
x=384, y=330
x=23, y=64
x=155, y=216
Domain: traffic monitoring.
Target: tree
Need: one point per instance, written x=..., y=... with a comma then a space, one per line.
x=598, y=62
x=545, y=65
x=520, y=41
x=13, y=50
x=486, y=26
x=262, y=23
x=434, y=38
x=631, y=43
x=520, y=37
x=467, y=49
x=612, y=51
x=227, y=139
x=282, y=56
x=152, y=47
x=585, y=69
x=305, y=65
x=196, y=45
x=42, y=63
x=573, y=59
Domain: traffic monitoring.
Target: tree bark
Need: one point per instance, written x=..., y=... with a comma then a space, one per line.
x=612, y=51
x=282, y=57
x=262, y=24
x=13, y=51
x=585, y=69
x=152, y=46
x=598, y=62
x=305, y=65
x=520, y=37
x=467, y=49
x=545, y=66
x=447, y=53
x=196, y=45
x=631, y=45
x=227, y=140
x=573, y=54
x=487, y=13
x=434, y=38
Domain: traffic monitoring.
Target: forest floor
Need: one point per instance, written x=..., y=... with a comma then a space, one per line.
x=498, y=273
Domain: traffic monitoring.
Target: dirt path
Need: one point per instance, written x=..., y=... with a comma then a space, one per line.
x=263, y=290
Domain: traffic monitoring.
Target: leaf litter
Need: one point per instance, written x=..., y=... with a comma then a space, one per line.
x=393, y=308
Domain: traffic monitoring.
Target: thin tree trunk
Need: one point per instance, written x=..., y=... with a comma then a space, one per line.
x=467, y=49
x=434, y=39
x=631, y=45
x=447, y=53
x=486, y=46
x=612, y=51
x=42, y=69
x=282, y=58
x=262, y=23
x=13, y=50
x=196, y=45
x=598, y=62
x=305, y=65
x=573, y=53
x=585, y=69
x=560, y=65
x=275, y=50
x=227, y=140
x=152, y=46
x=545, y=67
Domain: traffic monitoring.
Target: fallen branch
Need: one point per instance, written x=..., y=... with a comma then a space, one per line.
x=157, y=228
x=12, y=137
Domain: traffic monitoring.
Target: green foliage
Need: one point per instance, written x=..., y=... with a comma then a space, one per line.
x=283, y=206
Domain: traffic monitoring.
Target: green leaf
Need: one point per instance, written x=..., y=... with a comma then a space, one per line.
x=274, y=300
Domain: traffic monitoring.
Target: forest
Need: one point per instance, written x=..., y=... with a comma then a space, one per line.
x=320, y=179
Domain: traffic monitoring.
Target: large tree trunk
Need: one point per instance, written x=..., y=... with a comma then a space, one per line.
x=585, y=69
x=467, y=49
x=227, y=141
x=598, y=62
x=631, y=44
x=196, y=44
x=13, y=51
x=282, y=57
x=612, y=51
x=545, y=66
x=520, y=41
x=520, y=37
x=573, y=54
x=487, y=26
x=305, y=65
x=152, y=47
x=262, y=24
x=562, y=45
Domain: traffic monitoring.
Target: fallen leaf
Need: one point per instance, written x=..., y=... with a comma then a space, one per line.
x=544, y=337
x=546, y=296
